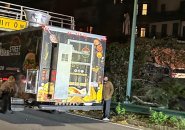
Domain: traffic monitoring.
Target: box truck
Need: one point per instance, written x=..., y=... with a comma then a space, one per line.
x=55, y=68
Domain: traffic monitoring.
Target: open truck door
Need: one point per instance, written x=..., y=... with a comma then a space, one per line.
x=63, y=71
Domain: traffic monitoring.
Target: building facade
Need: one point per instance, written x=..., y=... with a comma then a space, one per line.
x=103, y=17
x=163, y=18
x=155, y=18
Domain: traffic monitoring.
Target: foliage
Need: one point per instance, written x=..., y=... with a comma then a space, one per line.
x=149, y=83
x=120, y=110
x=177, y=122
x=116, y=68
x=182, y=123
x=158, y=117
x=173, y=120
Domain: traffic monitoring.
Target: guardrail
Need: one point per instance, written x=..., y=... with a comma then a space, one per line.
x=17, y=12
x=146, y=109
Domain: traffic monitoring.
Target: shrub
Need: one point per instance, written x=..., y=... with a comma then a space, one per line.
x=158, y=117
x=120, y=110
x=174, y=121
x=181, y=123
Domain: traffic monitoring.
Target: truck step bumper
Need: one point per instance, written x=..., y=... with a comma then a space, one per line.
x=66, y=108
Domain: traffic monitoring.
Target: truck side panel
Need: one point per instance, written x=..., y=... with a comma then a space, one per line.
x=15, y=46
x=19, y=51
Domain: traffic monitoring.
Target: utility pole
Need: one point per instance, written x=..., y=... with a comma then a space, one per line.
x=131, y=58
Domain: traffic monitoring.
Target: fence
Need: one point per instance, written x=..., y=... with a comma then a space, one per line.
x=17, y=12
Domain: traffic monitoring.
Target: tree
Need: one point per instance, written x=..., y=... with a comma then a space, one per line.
x=151, y=59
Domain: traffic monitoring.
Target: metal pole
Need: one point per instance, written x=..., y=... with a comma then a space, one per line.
x=131, y=58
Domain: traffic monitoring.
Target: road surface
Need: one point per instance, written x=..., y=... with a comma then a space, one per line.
x=38, y=120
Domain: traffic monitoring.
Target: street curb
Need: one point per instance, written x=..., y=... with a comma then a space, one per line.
x=127, y=126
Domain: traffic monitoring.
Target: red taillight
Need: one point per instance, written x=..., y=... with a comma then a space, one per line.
x=53, y=75
x=44, y=75
x=4, y=79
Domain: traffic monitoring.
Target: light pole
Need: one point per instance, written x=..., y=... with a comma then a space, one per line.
x=131, y=58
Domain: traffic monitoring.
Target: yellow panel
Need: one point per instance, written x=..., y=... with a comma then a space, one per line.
x=13, y=24
x=78, y=83
x=79, y=74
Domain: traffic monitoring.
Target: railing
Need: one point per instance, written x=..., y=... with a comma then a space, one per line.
x=17, y=12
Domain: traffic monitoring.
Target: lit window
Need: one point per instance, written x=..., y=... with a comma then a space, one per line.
x=144, y=10
x=143, y=31
x=91, y=29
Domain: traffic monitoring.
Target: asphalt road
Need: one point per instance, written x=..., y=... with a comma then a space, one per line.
x=38, y=120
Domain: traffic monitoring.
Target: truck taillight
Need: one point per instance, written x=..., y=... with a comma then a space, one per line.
x=53, y=75
x=4, y=79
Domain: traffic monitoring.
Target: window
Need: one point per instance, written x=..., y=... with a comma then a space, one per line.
x=118, y=1
x=91, y=29
x=153, y=30
x=182, y=6
x=136, y=30
x=183, y=32
x=143, y=31
x=64, y=57
x=163, y=8
x=175, y=29
x=144, y=9
x=164, y=30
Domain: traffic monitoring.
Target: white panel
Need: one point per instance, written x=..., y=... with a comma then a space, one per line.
x=63, y=71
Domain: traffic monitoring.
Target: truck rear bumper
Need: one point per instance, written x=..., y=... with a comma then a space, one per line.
x=66, y=108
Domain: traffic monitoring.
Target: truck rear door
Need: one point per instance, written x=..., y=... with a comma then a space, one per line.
x=63, y=71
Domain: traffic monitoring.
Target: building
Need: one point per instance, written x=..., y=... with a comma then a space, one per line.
x=161, y=18
x=103, y=17
x=145, y=10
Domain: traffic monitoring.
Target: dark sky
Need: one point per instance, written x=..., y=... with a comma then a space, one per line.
x=60, y=6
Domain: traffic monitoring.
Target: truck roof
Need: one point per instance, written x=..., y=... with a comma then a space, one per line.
x=57, y=29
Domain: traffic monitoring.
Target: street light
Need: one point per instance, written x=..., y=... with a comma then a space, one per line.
x=131, y=58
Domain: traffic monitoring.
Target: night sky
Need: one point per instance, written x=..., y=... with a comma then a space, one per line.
x=104, y=17
x=60, y=6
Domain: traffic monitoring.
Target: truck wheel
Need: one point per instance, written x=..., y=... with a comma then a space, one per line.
x=53, y=112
